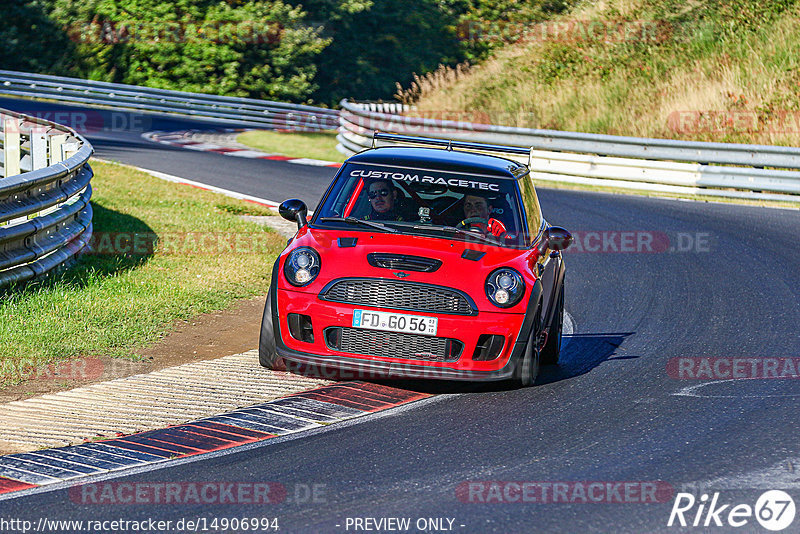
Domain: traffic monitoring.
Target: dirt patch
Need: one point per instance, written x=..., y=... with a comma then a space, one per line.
x=212, y=335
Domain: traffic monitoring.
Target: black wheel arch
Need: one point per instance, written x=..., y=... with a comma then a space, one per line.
x=550, y=294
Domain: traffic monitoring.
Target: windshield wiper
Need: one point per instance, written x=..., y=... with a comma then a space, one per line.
x=457, y=231
x=352, y=220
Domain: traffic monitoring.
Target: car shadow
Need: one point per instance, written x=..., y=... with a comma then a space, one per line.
x=580, y=354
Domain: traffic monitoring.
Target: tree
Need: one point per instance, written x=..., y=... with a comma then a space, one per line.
x=254, y=48
x=23, y=24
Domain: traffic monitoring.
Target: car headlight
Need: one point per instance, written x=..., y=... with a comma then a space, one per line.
x=301, y=266
x=505, y=287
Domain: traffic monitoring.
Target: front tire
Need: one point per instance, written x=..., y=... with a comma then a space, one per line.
x=552, y=349
x=267, y=352
x=528, y=367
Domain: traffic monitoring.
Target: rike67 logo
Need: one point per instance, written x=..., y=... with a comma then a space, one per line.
x=774, y=510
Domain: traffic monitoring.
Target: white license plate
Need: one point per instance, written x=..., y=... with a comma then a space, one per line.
x=395, y=322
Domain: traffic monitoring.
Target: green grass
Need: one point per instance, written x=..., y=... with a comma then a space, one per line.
x=317, y=145
x=112, y=304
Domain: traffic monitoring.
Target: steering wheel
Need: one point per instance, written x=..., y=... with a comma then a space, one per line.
x=466, y=223
x=473, y=220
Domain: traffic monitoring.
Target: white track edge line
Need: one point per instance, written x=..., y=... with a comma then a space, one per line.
x=201, y=185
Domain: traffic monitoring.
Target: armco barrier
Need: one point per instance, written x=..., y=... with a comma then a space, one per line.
x=219, y=109
x=665, y=165
x=45, y=215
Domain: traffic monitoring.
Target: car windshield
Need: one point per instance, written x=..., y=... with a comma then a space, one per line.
x=452, y=205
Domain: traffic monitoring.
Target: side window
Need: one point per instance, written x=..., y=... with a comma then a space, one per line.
x=502, y=212
x=530, y=202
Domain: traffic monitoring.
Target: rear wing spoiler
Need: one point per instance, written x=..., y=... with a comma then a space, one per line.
x=449, y=144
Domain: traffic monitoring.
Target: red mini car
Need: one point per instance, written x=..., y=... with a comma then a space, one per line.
x=420, y=262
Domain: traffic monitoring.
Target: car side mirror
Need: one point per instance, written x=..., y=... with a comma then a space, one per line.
x=294, y=210
x=555, y=238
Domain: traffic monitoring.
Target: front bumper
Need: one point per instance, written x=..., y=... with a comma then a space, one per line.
x=346, y=368
x=317, y=358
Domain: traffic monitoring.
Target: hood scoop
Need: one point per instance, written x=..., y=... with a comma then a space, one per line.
x=473, y=255
x=403, y=262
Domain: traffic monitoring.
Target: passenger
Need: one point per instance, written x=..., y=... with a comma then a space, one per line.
x=383, y=201
x=477, y=210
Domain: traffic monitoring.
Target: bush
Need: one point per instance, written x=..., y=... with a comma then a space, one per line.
x=253, y=48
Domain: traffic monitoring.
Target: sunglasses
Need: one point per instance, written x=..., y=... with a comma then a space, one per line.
x=374, y=194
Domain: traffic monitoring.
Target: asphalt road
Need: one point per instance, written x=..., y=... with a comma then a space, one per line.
x=611, y=413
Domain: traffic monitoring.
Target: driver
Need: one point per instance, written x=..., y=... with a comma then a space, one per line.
x=383, y=202
x=476, y=216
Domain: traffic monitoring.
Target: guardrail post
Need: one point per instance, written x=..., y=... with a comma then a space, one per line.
x=69, y=149
x=11, y=146
x=56, y=154
x=38, y=149
x=59, y=148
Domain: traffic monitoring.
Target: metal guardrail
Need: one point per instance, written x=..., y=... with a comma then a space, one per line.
x=665, y=165
x=220, y=109
x=45, y=215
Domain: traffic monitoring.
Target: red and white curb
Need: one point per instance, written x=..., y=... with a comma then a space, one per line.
x=183, y=138
x=295, y=413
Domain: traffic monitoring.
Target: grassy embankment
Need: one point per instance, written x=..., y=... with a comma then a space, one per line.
x=683, y=70
x=112, y=303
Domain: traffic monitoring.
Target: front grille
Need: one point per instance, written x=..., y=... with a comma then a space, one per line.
x=393, y=344
x=412, y=296
x=403, y=262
